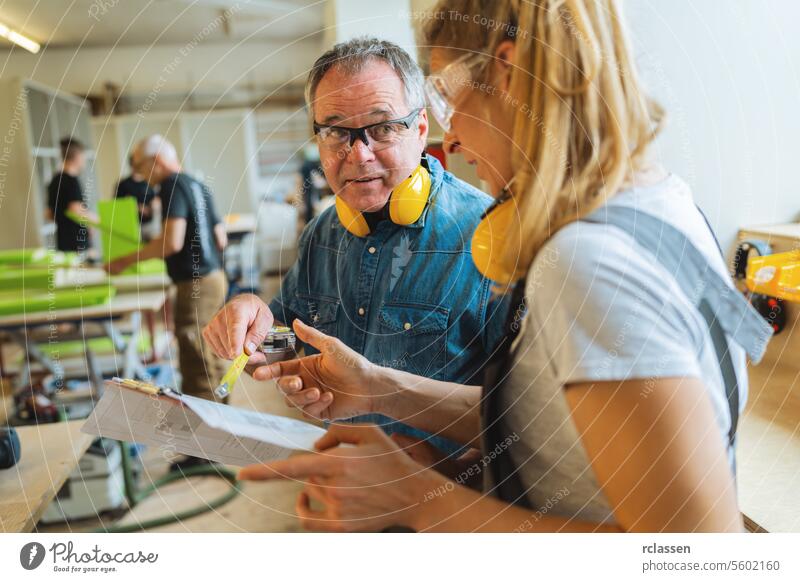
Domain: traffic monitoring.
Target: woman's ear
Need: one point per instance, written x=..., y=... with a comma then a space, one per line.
x=503, y=61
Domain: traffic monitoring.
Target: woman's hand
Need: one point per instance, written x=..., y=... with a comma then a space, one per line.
x=464, y=470
x=366, y=487
x=336, y=383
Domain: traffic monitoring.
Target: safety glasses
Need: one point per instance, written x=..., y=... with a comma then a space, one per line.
x=376, y=136
x=442, y=89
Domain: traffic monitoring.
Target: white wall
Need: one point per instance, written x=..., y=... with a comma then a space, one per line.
x=727, y=72
x=387, y=19
x=217, y=147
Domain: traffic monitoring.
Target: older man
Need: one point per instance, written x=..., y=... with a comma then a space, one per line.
x=388, y=269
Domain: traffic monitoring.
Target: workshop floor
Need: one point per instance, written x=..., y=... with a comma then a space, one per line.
x=260, y=507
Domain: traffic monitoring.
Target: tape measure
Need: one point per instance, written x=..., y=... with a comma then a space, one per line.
x=279, y=340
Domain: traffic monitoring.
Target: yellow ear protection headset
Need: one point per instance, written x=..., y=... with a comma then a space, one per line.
x=772, y=309
x=490, y=237
x=407, y=202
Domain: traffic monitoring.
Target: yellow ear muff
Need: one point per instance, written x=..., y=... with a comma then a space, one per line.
x=406, y=204
x=352, y=220
x=490, y=238
x=410, y=197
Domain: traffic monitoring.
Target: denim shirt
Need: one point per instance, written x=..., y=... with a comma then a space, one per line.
x=406, y=297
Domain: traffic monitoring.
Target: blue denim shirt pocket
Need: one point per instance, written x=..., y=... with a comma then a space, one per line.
x=322, y=312
x=416, y=337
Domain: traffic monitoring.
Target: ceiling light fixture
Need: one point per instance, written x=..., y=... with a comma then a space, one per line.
x=19, y=39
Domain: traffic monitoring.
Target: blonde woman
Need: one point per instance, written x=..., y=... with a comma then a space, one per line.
x=614, y=408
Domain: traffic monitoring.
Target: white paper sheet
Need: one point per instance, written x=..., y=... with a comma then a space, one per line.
x=192, y=426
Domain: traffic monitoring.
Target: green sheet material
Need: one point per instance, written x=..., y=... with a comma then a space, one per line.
x=100, y=226
x=17, y=278
x=28, y=282
x=98, y=345
x=148, y=267
x=120, y=236
x=38, y=257
x=120, y=227
x=14, y=302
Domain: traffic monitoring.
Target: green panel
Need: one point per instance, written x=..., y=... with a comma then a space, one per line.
x=38, y=256
x=98, y=345
x=148, y=267
x=14, y=302
x=25, y=278
x=119, y=232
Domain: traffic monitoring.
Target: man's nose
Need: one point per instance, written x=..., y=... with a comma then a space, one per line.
x=451, y=145
x=359, y=152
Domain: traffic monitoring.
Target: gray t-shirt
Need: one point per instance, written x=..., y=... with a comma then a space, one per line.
x=602, y=308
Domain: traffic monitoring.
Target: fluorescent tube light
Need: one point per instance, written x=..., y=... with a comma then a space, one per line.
x=19, y=39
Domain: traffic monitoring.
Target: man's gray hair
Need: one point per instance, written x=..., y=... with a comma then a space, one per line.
x=157, y=145
x=351, y=56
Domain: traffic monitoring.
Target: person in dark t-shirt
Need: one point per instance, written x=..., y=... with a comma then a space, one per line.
x=191, y=243
x=64, y=193
x=137, y=187
x=184, y=197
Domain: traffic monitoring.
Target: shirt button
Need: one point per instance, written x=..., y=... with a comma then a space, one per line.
x=372, y=250
x=315, y=318
x=361, y=311
x=406, y=325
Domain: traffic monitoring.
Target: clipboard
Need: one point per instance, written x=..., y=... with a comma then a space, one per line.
x=135, y=411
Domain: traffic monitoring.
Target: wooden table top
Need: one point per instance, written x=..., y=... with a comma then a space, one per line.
x=50, y=452
x=782, y=237
x=768, y=449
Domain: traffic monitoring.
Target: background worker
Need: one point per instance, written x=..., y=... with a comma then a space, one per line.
x=149, y=204
x=312, y=178
x=191, y=243
x=64, y=193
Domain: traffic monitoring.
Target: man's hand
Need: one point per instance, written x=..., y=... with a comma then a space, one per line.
x=366, y=487
x=239, y=326
x=336, y=383
x=116, y=266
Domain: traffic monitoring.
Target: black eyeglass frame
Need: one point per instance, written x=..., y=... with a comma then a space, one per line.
x=361, y=132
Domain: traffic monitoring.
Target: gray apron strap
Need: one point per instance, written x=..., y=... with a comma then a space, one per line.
x=725, y=310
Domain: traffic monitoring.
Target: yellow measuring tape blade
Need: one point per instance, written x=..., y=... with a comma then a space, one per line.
x=229, y=379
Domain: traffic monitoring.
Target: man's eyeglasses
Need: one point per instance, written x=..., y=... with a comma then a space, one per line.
x=376, y=136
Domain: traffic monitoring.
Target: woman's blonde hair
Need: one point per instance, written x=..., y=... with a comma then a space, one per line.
x=582, y=122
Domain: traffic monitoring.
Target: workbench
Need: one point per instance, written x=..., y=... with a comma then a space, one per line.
x=50, y=452
x=19, y=326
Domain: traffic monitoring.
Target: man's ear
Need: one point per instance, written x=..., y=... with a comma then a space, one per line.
x=424, y=125
x=504, y=56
